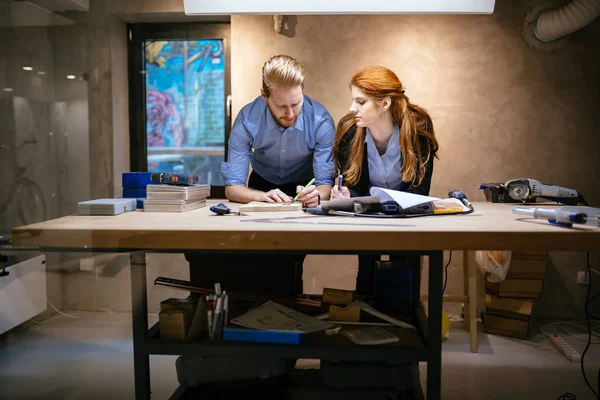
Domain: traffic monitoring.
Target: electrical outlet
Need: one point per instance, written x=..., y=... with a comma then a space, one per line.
x=86, y=264
x=583, y=278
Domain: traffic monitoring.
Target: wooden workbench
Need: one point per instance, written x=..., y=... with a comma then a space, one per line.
x=491, y=226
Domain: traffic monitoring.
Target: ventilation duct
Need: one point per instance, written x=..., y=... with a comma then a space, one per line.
x=555, y=24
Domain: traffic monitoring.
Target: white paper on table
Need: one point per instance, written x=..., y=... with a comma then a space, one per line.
x=275, y=317
x=404, y=199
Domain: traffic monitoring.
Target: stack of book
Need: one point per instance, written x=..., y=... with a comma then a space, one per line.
x=175, y=198
x=510, y=304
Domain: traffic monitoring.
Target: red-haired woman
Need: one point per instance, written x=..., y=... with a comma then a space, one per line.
x=384, y=141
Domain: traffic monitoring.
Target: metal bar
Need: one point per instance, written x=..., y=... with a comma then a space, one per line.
x=422, y=324
x=256, y=350
x=139, y=313
x=434, y=337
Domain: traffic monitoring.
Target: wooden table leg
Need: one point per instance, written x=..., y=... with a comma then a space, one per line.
x=471, y=316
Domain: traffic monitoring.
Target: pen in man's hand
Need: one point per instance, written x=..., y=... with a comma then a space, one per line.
x=307, y=185
x=340, y=179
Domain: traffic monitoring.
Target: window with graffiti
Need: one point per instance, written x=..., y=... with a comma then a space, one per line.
x=185, y=106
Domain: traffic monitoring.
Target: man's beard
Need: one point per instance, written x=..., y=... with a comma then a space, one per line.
x=281, y=120
x=287, y=123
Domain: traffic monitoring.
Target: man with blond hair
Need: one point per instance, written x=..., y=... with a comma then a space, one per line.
x=292, y=138
x=288, y=139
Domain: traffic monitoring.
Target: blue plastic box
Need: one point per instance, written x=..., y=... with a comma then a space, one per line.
x=251, y=335
x=134, y=193
x=136, y=180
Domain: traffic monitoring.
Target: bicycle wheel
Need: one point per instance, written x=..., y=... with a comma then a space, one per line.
x=31, y=206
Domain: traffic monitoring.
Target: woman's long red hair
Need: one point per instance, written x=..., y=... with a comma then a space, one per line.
x=379, y=83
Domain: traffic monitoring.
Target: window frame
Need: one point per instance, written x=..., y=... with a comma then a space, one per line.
x=137, y=35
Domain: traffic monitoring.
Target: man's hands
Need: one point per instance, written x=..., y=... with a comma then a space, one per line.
x=337, y=194
x=273, y=196
x=309, y=196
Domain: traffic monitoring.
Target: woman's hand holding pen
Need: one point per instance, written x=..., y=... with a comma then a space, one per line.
x=336, y=193
x=308, y=195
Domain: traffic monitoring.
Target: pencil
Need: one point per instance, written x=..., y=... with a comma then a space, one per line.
x=307, y=185
x=340, y=179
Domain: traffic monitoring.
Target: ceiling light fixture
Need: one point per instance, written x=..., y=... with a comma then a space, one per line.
x=8, y=89
x=27, y=68
x=295, y=7
x=71, y=77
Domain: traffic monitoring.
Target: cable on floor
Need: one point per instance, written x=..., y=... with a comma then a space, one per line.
x=60, y=314
x=574, y=324
x=589, y=341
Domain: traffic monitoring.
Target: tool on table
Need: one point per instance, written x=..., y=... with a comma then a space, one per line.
x=222, y=209
x=457, y=194
x=307, y=185
x=174, y=178
x=387, y=207
x=322, y=211
x=340, y=179
x=527, y=190
x=563, y=216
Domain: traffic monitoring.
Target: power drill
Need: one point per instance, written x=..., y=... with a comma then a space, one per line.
x=457, y=194
x=174, y=178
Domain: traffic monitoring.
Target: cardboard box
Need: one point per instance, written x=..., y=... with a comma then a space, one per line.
x=174, y=324
x=526, y=269
x=187, y=304
x=338, y=297
x=348, y=314
x=176, y=316
x=522, y=309
x=528, y=288
x=506, y=326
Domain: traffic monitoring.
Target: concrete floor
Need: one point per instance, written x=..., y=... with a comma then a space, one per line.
x=91, y=358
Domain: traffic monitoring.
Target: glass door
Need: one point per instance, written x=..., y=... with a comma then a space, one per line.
x=180, y=83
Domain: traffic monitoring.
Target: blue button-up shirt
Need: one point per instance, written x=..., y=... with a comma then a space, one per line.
x=281, y=155
x=385, y=170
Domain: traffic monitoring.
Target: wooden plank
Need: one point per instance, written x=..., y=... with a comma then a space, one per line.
x=259, y=206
